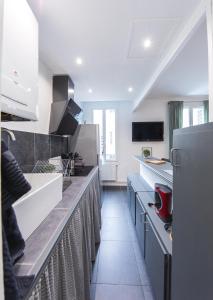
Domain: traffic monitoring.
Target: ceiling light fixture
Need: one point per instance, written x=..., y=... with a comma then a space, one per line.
x=79, y=61
x=90, y=91
x=130, y=89
x=147, y=43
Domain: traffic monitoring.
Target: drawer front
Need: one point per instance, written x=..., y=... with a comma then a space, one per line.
x=140, y=225
x=157, y=262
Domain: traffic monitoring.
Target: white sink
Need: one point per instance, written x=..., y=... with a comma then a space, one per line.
x=34, y=207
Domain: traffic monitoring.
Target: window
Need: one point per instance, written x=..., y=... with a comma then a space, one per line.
x=107, y=123
x=186, y=119
x=110, y=135
x=98, y=119
x=193, y=114
x=198, y=115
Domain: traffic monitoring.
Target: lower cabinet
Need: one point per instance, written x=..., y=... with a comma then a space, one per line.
x=157, y=263
x=131, y=200
x=132, y=205
x=140, y=224
x=128, y=193
x=150, y=236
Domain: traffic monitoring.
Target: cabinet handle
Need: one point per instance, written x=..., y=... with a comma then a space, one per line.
x=142, y=214
x=145, y=224
x=173, y=151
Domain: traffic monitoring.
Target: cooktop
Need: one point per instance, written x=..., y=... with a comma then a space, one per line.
x=82, y=171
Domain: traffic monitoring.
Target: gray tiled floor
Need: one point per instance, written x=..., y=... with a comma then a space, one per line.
x=119, y=272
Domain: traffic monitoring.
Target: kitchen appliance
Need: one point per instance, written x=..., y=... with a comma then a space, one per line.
x=64, y=110
x=192, y=249
x=87, y=145
x=163, y=202
x=82, y=171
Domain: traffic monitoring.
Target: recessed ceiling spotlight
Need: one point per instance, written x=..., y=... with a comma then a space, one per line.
x=130, y=89
x=79, y=61
x=147, y=43
x=71, y=91
x=90, y=91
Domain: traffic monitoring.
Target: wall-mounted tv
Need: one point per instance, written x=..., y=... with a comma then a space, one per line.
x=147, y=131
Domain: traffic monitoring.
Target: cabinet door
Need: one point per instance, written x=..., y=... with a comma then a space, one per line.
x=128, y=193
x=19, y=60
x=131, y=194
x=140, y=225
x=157, y=263
x=132, y=203
x=192, y=255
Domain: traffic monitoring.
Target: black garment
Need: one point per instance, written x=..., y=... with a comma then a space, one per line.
x=15, y=287
x=13, y=179
x=14, y=185
x=11, y=290
x=16, y=243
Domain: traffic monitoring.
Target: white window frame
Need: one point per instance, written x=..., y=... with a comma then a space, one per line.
x=104, y=134
x=191, y=106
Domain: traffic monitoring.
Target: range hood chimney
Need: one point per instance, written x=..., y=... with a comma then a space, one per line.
x=63, y=110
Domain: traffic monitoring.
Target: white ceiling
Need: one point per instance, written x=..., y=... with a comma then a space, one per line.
x=188, y=74
x=108, y=36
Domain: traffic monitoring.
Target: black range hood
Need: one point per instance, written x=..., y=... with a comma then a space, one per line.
x=64, y=110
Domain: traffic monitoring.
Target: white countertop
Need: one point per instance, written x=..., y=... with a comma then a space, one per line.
x=165, y=170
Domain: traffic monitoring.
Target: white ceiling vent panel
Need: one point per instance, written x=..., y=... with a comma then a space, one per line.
x=151, y=37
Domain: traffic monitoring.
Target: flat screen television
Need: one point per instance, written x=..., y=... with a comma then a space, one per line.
x=147, y=131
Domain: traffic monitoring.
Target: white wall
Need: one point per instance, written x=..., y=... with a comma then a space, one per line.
x=150, y=110
x=44, y=103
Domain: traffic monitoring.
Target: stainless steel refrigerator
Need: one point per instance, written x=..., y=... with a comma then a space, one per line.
x=87, y=143
x=192, y=259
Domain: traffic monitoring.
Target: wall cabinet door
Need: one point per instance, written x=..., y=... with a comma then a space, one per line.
x=19, y=82
x=157, y=263
x=140, y=225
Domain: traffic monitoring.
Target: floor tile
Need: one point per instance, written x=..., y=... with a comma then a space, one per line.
x=95, y=269
x=113, y=210
x=119, y=272
x=115, y=229
x=117, y=264
x=116, y=292
x=116, y=196
x=143, y=274
x=141, y=264
x=147, y=290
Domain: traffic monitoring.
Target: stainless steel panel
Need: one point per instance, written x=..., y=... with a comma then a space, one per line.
x=156, y=259
x=140, y=225
x=192, y=265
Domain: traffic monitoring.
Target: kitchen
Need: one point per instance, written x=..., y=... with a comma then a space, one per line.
x=74, y=83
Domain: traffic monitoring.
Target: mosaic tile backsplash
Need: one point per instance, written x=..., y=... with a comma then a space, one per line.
x=31, y=147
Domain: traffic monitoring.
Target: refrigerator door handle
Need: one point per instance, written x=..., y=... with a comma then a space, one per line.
x=173, y=156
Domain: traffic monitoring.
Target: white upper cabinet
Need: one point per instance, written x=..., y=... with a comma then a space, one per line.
x=19, y=74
